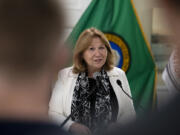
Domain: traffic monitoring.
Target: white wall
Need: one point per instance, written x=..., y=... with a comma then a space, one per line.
x=73, y=10
x=144, y=10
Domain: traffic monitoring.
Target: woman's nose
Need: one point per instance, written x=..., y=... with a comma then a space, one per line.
x=97, y=52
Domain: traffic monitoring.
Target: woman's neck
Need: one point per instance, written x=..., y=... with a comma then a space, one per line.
x=91, y=72
x=90, y=75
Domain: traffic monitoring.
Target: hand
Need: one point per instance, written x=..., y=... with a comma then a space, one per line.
x=79, y=129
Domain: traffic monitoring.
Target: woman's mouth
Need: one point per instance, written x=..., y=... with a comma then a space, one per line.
x=98, y=60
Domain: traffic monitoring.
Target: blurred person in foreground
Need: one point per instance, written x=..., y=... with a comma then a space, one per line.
x=171, y=74
x=167, y=120
x=30, y=32
x=92, y=80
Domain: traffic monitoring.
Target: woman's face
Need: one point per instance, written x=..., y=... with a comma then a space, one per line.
x=95, y=55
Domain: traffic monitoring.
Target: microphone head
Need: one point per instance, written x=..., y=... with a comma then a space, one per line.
x=96, y=75
x=119, y=82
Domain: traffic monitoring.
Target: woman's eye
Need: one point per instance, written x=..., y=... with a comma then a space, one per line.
x=102, y=48
x=91, y=49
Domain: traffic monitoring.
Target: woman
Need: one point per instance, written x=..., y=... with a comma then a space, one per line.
x=103, y=100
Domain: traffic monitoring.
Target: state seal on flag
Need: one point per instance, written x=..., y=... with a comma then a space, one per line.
x=121, y=48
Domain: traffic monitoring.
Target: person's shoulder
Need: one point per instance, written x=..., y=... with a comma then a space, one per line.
x=116, y=70
x=65, y=71
x=8, y=127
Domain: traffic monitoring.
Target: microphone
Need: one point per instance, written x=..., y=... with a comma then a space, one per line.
x=78, y=107
x=120, y=85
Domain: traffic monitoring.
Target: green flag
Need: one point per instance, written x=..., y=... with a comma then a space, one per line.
x=118, y=20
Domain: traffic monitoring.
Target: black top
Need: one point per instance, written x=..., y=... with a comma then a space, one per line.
x=9, y=127
x=92, y=83
x=113, y=100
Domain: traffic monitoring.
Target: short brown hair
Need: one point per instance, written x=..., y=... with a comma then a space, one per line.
x=171, y=5
x=83, y=43
x=29, y=31
x=174, y=3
